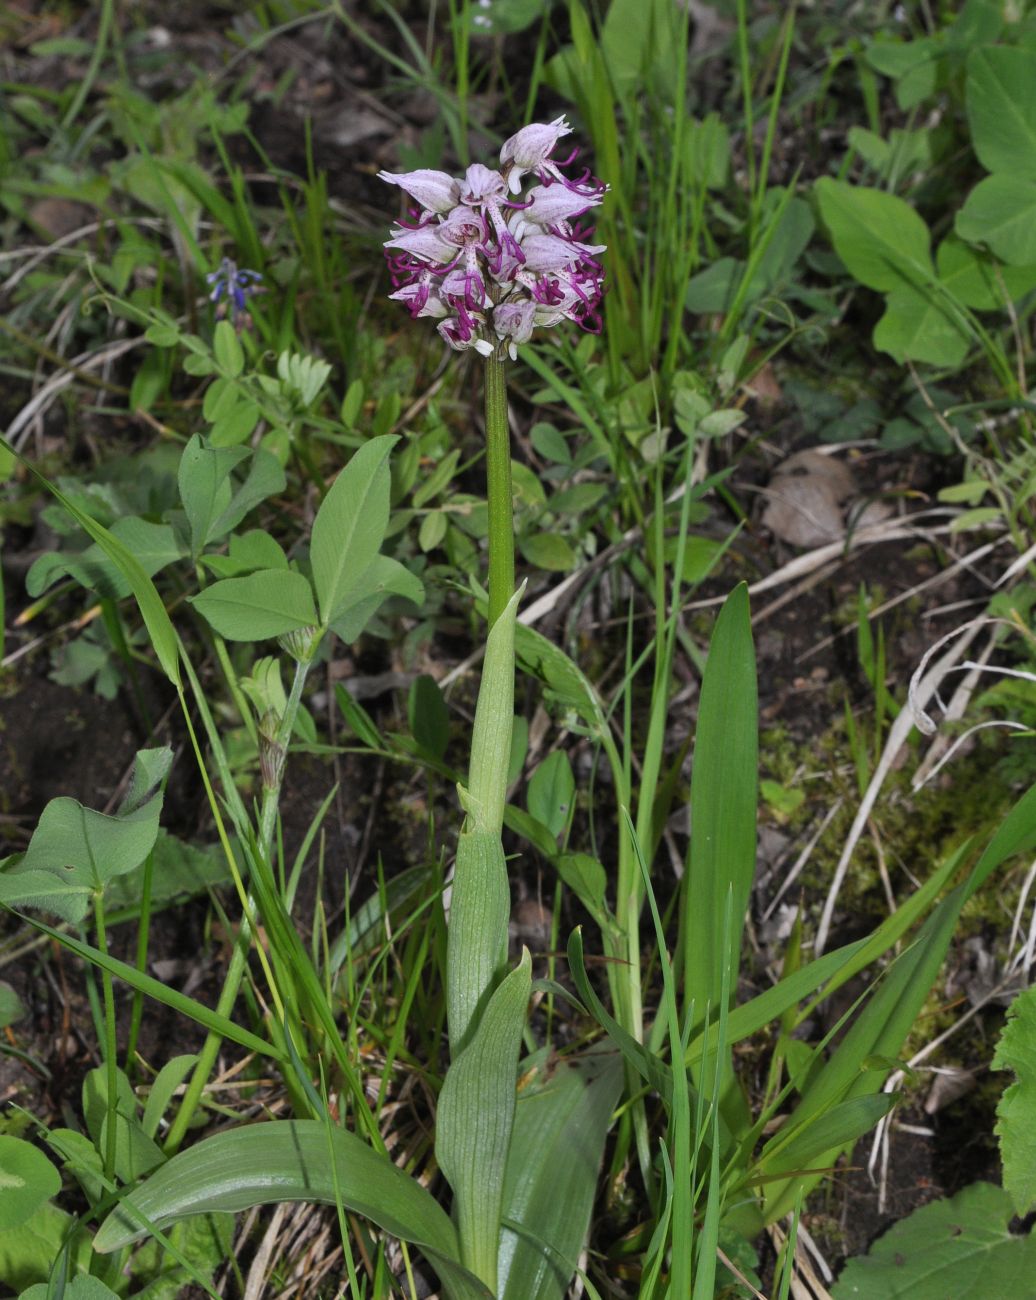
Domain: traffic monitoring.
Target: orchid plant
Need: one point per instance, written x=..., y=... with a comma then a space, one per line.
x=489, y=260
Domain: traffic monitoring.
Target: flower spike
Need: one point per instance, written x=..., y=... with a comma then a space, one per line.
x=490, y=262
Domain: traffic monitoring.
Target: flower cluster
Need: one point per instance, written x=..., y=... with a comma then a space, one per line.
x=232, y=286
x=491, y=260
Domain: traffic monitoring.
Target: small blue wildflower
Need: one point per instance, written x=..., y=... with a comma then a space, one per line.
x=231, y=289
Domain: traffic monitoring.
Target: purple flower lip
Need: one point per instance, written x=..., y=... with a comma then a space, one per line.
x=491, y=262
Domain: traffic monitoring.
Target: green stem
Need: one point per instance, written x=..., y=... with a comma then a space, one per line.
x=498, y=488
x=239, y=957
x=110, y=1050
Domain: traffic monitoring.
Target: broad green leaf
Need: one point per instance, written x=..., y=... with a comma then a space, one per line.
x=152, y=545
x=519, y=821
x=265, y=604
x=73, y=853
x=179, y=871
x=289, y=1160
x=432, y=530
x=1016, y=1110
x=959, y=1249
x=724, y=787
x=350, y=525
x=83, y=1287
x=226, y=348
x=382, y=578
x=921, y=325
x=974, y=279
x=28, y=1251
x=476, y=955
x=707, y=151
x=152, y=610
x=588, y=880
x=565, y=681
x=81, y=1158
x=1001, y=104
x=205, y=487
x=881, y=239
x=556, y=1147
x=474, y=1119
x=27, y=1180
x=12, y=1009
x=548, y=551
x=713, y=289
x=265, y=477
x=552, y=788
x=166, y=1082
x=1000, y=213
x=248, y=551
x=136, y=1153
x=439, y=478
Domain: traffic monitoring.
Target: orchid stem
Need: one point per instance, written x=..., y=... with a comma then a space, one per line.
x=498, y=488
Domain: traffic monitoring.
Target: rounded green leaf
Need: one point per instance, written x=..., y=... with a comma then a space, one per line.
x=881, y=239
x=548, y=551
x=27, y=1180
x=920, y=326
x=961, y=1248
x=1000, y=212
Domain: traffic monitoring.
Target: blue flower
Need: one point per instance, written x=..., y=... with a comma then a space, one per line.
x=231, y=289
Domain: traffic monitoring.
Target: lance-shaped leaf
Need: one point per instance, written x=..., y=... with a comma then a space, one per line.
x=291, y=1160
x=475, y=1119
x=350, y=525
x=263, y=605
x=721, y=858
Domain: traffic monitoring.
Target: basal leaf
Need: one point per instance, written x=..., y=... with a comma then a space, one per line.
x=475, y=1117
x=290, y=1160
x=560, y=1128
x=724, y=786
